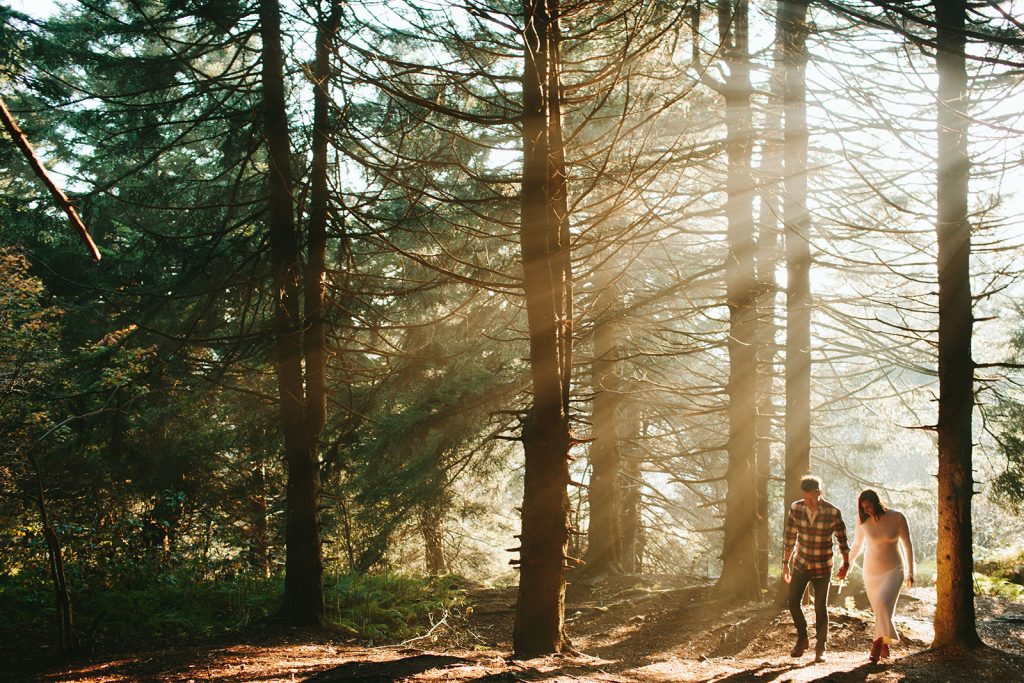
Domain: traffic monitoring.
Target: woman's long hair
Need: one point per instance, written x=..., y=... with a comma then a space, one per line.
x=877, y=506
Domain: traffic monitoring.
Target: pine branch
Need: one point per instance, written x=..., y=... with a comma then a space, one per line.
x=40, y=170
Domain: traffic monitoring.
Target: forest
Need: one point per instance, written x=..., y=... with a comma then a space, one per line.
x=494, y=340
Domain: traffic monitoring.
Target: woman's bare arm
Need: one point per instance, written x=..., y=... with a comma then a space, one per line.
x=908, y=549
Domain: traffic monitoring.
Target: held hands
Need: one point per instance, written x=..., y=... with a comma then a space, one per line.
x=910, y=581
x=843, y=571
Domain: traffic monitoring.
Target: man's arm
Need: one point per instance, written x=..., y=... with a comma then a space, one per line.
x=858, y=542
x=844, y=547
x=788, y=542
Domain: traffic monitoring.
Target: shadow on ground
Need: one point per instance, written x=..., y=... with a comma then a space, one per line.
x=386, y=672
x=629, y=633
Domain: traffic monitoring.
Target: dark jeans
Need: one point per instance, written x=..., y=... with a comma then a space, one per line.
x=796, y=592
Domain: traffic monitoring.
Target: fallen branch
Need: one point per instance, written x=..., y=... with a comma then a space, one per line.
x=40, y=170
x=443, y=621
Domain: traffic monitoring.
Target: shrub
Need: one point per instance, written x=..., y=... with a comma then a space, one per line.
x=998, y=588
x=389, y=606
x=1007, y=565
x=183, y=605
x=178, y=606
x=28, y=610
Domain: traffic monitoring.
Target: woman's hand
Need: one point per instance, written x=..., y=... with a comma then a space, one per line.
x=910, y=580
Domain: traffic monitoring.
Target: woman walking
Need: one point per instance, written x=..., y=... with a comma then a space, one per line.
x=884, y=536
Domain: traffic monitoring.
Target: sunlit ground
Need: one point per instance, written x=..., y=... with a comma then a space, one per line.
x=676, y=634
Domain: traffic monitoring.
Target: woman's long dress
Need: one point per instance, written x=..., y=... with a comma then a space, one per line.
x=887, y=550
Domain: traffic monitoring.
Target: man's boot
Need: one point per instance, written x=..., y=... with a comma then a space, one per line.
x=819, y=652
x=800, y=647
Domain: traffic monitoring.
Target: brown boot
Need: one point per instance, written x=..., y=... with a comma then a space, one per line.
x=819, y=652
x=800, y=647
x=884, y=652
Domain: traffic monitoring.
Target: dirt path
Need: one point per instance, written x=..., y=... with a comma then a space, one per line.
x=642, y=634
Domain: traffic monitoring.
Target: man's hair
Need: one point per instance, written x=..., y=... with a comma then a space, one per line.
x=810, y=484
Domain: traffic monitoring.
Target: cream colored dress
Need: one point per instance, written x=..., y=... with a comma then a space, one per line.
x=888, y=558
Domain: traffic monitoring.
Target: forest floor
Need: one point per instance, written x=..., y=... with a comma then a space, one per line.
x=623, y=631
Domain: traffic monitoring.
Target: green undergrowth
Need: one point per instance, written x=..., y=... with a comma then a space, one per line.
x=1000, y=575
x=996, y=587
x=1007, y=565
x=384, y=607
x=180, y=607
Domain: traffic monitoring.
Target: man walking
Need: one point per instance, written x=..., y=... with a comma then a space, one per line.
x=810, y=526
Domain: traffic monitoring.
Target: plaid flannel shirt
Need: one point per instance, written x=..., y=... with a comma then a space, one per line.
x=809, y=544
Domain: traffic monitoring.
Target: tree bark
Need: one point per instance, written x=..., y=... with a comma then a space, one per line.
x=631, y=490
x=558, y=206
x=21, y=140
x=793, y=19
x=259, y=537
x=432, y=530
x=67, y=638
x=604, y=543
x=955, y=625
x=767, y=259
x=314, y=285
x=739, y=553
x=303, y=593
x=539, y=626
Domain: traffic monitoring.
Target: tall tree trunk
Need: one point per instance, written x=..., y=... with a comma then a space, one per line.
x=631, y=489
x=67, y=638
x=314, y=285
x=432, y=529
x=954, y=609
x=539, y=627
x=259, y=537
x=603, y=535
x=767, y=259
x=739, y=553
x=303, y=592
x=793, y=20
x=558, y=206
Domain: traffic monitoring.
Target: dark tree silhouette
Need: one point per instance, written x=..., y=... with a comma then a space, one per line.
x=539, y=626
